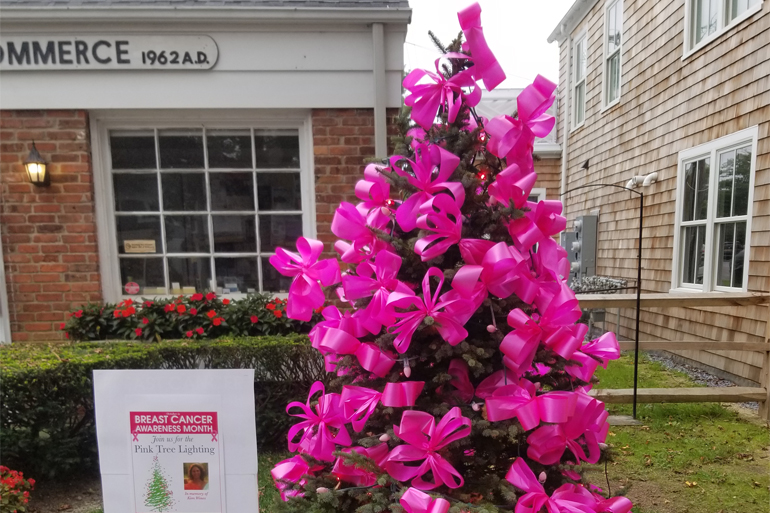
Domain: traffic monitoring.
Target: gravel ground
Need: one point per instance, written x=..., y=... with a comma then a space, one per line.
x=698, y=375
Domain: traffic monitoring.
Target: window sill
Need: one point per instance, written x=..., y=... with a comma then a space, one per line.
x=576, y=128
x=720, y=290
x=716, y=35
x=610, y=106
x=685, y=290
x=233, y=296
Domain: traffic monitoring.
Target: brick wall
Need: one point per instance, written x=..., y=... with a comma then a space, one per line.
x=49, y=233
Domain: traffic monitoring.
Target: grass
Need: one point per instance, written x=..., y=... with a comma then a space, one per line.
x=686, y=458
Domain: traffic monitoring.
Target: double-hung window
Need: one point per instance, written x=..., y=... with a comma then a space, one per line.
x=613, y=29
x=579, y=81
x=713, y=215
x=197, y=209
x=706, y=19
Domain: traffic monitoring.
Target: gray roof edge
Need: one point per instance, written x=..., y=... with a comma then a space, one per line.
x=574, y=16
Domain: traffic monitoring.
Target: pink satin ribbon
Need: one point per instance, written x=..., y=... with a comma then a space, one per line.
x=358, y=403
x=371, y=357
x=485, y=66
x=461, y=381
x=316, y=436
x=494, y=381
x=289, y=472
x=305, y=294
x=440, y=216
x=415, y=501
x=473, y=250
x=520, y=345
x=424, y=438
x=543, y=220
x=521, y=401
x=374, y=193
x=512, y=184
x=568, y=498
x=358, y=476
x=349, y=224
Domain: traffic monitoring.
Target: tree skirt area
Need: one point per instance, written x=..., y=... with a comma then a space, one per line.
x=82, y=495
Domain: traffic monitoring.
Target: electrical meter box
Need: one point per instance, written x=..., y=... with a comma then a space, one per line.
x=566, y=239
x=584, y=247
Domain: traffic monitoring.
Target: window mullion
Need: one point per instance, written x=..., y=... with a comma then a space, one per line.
x=256, y=209
x=708, y=265
x=212, y=269
x=166, y=280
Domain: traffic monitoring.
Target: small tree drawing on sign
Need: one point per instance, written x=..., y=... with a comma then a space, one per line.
x=158, y=497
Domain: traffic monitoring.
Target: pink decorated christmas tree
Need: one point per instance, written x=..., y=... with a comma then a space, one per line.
x=459, y=376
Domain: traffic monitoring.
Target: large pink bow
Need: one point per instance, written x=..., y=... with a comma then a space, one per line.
x=473, y=250
x=291, y=471
x=317, y=438
x=371, y=357
x=441, y=216
x=356, y=475
x=376, y=281
x=427, y=97
x=520, y=345
x=512, y=184
x=521, y=401
x=429, y=306
x=560, y=310
x=494, y=381
x=551, y=261
x=485, y=66
x=568, y=498
x=423, y=441
x=458, y=369
x=427, y=160
x=346, y=322
x=598, y=351
x=374, y=193
x=401, y=395
x=543, y=220
x=348, y=223
x=358, y=404
x=415, y=501
x=305, y=294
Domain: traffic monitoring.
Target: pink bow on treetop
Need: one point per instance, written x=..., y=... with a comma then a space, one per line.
x=568, y=498
x=512, y=184
x=415, y=501
x=305, y=294
x=358, y=476
x=316, y=436
x=441, y=216
x=291, y=470
x=427, y=97
x=423, y=441
x=521, y=401
x=429, y=306
x=427, y=159
x=374, y=193
x=485, y=66
x=543, y=220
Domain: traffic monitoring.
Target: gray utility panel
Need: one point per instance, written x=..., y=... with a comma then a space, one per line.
x=581, y=246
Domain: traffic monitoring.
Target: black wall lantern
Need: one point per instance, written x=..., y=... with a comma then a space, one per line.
x=36, y=167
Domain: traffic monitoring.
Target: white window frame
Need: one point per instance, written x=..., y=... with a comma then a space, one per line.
x=102, y=122
x=581, y=37
x=539, y=192
x=711, y=150
x=5, y=320
x=606, y=56
x=723, y=24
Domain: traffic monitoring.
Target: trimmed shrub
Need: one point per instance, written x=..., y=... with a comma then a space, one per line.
x=193, y=317
x=48, y=425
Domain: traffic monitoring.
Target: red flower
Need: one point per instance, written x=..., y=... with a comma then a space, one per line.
x=66, y=335
x=145, y=321
x=218, y=321
x=79, y=314
x=199, y=331
x=181, y=309
x=116, y=313
x=61, y=326
x=211, y=314
x=270, y=306
x=31, y=481
x=129, y=302
x=278, y=313
x=254, y=319
x=26, y=494
x=149, y=303
x=193, y=311
x=138, y=332
x=225, y=301
x=197, y=297
x=319, y=309
x=168, y=308
x=189, y=334
x=210, y=296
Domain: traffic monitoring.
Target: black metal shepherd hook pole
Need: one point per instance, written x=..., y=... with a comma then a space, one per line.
x=638, y=274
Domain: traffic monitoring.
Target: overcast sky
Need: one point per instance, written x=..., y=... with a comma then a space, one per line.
x=516, y=31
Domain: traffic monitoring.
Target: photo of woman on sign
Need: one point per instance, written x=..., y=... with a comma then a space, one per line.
x=196, y=476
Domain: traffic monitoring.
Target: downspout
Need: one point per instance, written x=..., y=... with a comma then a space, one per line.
x=380, y=91
x=567, y=112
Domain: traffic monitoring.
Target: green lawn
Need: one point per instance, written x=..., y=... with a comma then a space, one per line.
x=686, y=458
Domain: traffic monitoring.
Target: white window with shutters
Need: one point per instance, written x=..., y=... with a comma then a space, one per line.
x=715, y=186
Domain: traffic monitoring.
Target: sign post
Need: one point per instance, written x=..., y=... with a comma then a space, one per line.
x=176, y=441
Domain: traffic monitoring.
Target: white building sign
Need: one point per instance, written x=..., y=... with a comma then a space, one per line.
x=107, y=52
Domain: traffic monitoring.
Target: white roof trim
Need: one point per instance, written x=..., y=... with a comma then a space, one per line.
x=571, y=20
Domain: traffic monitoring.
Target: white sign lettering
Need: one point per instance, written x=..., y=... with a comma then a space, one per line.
x=19, y=53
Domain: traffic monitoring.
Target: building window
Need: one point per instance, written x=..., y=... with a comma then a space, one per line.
x=202, y=209
x=714, y=197
x=613, y=29
x=706, y=19
x=579, y=79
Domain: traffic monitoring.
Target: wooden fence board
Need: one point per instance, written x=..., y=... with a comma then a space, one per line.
x=682, y=395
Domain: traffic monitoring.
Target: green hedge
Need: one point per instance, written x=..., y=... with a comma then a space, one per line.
x=47, y=403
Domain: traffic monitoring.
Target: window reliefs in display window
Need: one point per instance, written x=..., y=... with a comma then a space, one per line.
x=715, y=185
x=202, y=209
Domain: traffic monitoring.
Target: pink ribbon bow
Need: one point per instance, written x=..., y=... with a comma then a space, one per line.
x=290, y=471
x=348, y=223
x=568, y=498
x=358, y=404
x=560, y=310
x=415, y=501
x=430, y=305
x=521, y=401
x=401, y=395
x=426, y=98
x=358, y=476
x=458, y=369
x=512, y=184
x=374, y=193
x=316, y=436
x=441, y=216
x=494, y=381
x=427, y=160
x=543, y=220
x=520, y=345
x=507, y=272
x=376, y=281
x=305, y=294
x=473, y=250
x=551, y=262
x=423, y=441
x=485, y=66
x=591, y=355
x=371, y=357
x=346, y=322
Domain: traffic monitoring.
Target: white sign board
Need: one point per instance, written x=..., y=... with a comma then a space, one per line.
x=106, y=52
x=176, y=441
